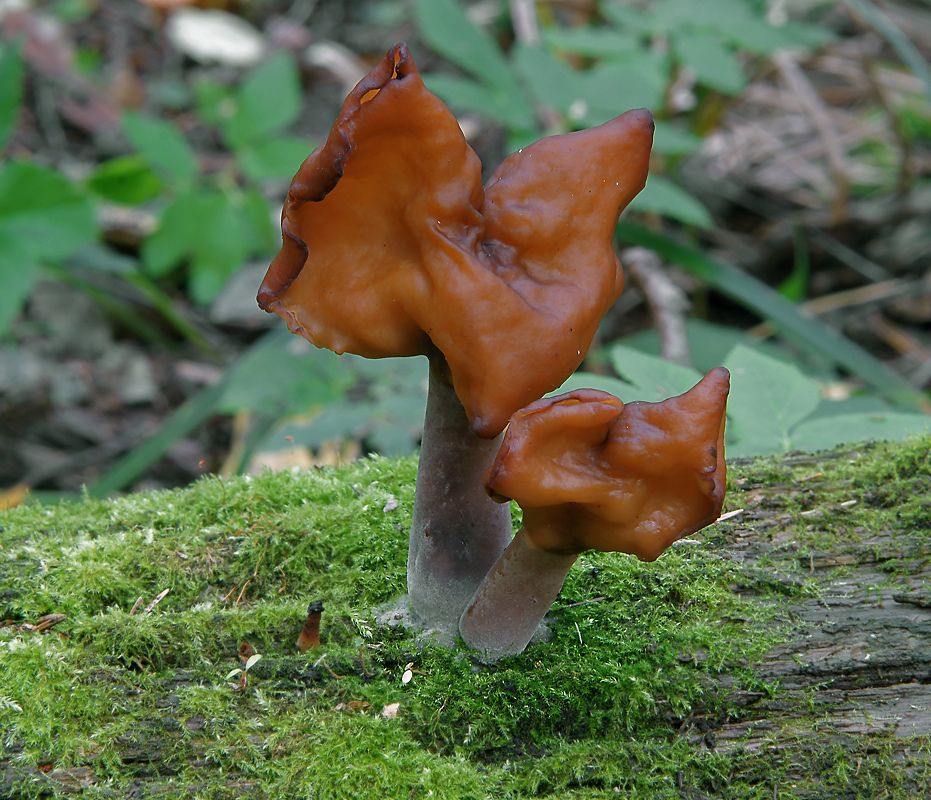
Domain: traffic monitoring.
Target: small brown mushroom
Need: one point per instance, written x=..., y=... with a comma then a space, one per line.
x=592, y=473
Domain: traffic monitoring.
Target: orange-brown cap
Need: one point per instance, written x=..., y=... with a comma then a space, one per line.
x=592, y=473
x=392, y=247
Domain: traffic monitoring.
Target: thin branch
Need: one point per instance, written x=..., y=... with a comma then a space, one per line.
x=667, y=302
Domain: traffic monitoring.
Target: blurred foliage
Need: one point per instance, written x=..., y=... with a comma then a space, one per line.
x=208, y=162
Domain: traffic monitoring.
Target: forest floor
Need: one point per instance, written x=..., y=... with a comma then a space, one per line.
x=784, y=652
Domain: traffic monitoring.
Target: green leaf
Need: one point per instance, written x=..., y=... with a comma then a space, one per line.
x=768, y=399
x=551, y=81
x=284, y=378
x=279, y=157
x=590, y=380
x=11, y=90
x=770, y=305
x=662, y=196
x=179, y=227
x=672, y=140
x=612, y=87
x=223, y=244
x=652, y=377
x=709, y=344
x=592, y=42
x=162, y=146
x=43, y=212
x=828, y=432
x=463, y=94
x=269, y=100
x=713, y=64
x=216, y=102
x=126, y=179
x=18, y=273
x=257, y=218
x=445, y=26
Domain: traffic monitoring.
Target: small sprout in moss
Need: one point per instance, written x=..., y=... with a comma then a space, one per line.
x=242, y=673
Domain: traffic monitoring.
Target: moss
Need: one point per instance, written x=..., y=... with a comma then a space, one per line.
x=640, y=653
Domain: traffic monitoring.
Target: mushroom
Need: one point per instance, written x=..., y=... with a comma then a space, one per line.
x=592, y=473
x=392, y=247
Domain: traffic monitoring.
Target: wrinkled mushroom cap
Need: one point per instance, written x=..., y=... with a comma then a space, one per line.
x=593, y=473
x=392, y=247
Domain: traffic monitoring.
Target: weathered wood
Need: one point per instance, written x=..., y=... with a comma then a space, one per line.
x=855, y=670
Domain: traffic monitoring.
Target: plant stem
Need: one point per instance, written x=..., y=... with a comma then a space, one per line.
x=511, y=602
x=458, y=531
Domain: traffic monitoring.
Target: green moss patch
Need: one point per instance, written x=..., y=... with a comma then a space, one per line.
x=113, y=703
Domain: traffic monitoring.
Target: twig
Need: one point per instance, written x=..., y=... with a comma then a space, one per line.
x=582, y=603
x=524, y=20
x=668, y=303
x=136, y=606
x=801, y=87
x=158, y=599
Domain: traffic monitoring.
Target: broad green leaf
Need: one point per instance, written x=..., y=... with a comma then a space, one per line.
x=216, y=102
x=269, y=100
x=279, y=157
x=11, y=90
x=752, y=294
x=672, y=140
x=768, y=399
x=629, y=19
x=662, y=196
x=257, y=217
x=446, y=27
x=334, y=422
x=43, y=212
x=593, y=42
x=713, y=64
x=284, y=378
x=162, y=146
x=179, y=227
x=613, y=87
x=654, y=378
x=125, y=179
x=222, y=246
x=604, y=383
x=463, y=94
x=709, y=344
x=551, y=81
x=18, y=273
x=827, y=432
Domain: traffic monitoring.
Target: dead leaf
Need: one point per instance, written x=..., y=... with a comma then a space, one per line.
x=390, y=711
x=10, y=498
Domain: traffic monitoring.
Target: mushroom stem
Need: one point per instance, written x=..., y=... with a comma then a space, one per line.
x=511, y=602
x=458, y=530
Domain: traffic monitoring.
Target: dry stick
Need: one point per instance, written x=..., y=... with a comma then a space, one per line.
x=458, y=531
x=668, y=303
x=510, y=604
x=801, y=87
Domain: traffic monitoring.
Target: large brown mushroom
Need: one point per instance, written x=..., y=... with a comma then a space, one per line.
x=392, y=247
x=592, y=473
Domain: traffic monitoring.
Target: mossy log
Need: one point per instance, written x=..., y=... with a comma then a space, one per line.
x=785, y=652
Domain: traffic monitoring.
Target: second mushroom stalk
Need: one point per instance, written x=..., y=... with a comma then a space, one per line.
x=392, y=246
